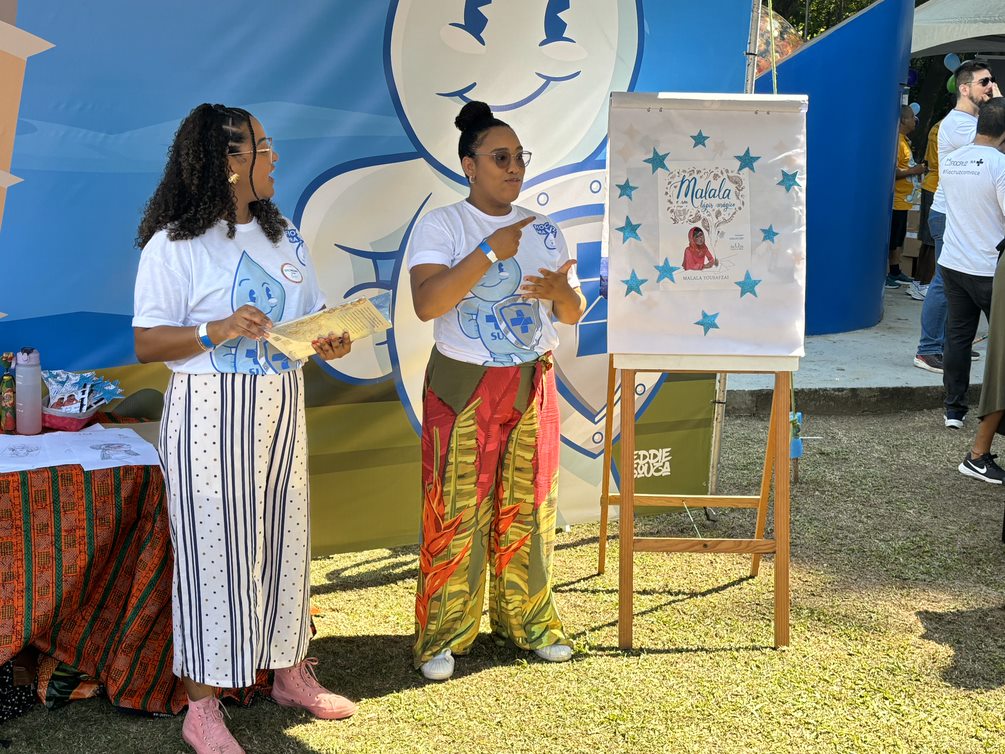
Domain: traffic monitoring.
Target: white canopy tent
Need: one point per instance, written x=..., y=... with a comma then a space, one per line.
x=960, y=26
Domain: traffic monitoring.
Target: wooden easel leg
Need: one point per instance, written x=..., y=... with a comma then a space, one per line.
x=626, y=536
x=605, y=466
x=762, y=505
x=780, y=414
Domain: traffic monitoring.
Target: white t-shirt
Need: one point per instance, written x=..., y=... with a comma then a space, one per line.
x=492, y=325
x=974, y=179
x=956, y=130
x=186, y=283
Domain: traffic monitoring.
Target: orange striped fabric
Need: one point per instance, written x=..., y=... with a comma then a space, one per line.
x=85, y=576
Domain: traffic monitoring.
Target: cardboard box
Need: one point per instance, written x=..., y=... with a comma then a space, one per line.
x=913, y=221
x=912, y=246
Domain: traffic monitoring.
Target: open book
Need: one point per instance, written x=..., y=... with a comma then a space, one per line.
x=360, y=318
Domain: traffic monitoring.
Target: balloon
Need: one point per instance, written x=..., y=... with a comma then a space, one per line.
x=951, y=85
x=951, y=61
x=915, y=108
x=912, y=77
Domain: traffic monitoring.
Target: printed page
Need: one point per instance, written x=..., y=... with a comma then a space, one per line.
x=24, y=452
x=360, y=318
x=107, y=448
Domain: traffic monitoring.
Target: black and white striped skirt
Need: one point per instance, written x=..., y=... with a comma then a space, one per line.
x=234, y=452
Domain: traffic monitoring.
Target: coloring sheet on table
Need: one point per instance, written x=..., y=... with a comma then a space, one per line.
x=110, y=447
x=24, y=452
x=92, y=448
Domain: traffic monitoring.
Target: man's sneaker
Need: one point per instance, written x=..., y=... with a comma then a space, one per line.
x=983, y=468
x=974, y=355
x=891, y=283
x=954, y=421
x=900, y=277
x=917, y=291
x=930, y=362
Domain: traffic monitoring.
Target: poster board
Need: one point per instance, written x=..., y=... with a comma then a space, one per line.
x=706, y=236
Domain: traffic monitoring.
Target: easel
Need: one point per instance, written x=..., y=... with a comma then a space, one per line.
x=776, y=461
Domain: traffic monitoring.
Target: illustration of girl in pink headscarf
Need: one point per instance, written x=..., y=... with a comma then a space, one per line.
x=697, y=255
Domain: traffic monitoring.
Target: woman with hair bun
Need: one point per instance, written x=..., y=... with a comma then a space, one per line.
x=492, y=276
x=219, y=265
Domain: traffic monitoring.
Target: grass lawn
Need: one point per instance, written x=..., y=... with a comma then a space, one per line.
x=898, y=631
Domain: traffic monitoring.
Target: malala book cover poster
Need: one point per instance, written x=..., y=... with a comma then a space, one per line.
x=705, y=224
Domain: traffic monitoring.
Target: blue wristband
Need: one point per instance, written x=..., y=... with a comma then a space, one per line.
x=203, y=334
x=488, y=251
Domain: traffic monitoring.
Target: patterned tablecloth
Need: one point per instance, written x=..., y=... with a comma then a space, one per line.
x=85, y=576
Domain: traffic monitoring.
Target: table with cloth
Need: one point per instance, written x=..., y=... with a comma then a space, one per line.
x=85, y=577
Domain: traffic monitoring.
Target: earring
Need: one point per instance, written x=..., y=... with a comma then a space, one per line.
x=471, y=179
x=233, y=178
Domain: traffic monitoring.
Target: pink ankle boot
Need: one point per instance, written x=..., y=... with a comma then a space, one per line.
x=205, y=731
x=299, y=687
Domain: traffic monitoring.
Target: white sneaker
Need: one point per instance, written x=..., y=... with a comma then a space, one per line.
x=555, y=653
x=953, y=423
x=440, y=668
x=917, y=291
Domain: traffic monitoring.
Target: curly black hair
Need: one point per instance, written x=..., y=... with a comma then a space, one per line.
x=194, y=193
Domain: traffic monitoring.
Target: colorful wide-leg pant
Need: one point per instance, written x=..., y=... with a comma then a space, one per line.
x=234, y=452
x=490, y=455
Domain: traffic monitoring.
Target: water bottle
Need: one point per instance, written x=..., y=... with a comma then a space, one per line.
x=28, y=392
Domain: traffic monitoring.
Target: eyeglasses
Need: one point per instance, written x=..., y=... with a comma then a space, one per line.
x=264, y=147
x=983, y=82
x=503, y=158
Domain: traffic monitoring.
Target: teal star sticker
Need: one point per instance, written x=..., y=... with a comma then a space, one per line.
x=747, y=160
x=658, y=161
x=666, y=271
x=625, y=189
x=634, y=284
x=748, y=285
x=629, y=230
x=699, y=139
x=769, y=233
x=789, y=181
x=708, y=321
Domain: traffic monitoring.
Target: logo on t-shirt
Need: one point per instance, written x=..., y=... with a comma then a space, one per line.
x=291, y=273
x=549, y=233
x=298, y=244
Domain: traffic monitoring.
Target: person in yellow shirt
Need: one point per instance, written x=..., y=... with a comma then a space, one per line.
x=902, y=189
x=925, y=268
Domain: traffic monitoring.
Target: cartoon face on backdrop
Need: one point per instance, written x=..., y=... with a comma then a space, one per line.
x=546, y=66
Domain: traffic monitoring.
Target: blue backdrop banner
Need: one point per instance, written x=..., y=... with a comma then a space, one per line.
x=853, y=75
x=360, y=99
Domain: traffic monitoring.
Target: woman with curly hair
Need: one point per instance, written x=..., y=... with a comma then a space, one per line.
x=492, y=276
x=219, y=266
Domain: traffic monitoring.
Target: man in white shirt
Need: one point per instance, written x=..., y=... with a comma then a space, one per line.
x=974, y=86
x=973, y=179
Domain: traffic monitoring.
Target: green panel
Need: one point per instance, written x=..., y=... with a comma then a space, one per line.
x=365, y=471
x=673, y=439
x=364, y=455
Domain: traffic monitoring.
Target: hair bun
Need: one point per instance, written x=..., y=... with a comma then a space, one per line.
x=473, y=115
